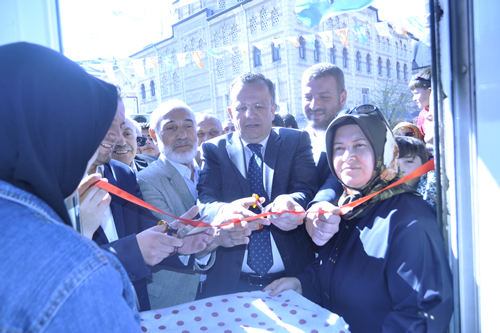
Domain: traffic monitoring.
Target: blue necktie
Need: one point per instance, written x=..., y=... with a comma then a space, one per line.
x=260, y=254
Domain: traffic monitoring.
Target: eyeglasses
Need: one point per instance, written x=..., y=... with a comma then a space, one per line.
x=255, y=107
x=364, y=109
x=141, y=141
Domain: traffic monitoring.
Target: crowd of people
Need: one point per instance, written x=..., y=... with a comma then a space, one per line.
x=77, y=258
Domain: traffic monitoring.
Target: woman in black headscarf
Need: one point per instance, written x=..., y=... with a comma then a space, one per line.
x=53, y=116
x=385, y=270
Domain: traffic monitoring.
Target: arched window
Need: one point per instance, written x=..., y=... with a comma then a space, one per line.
x=257, y=61
x=235, y=33
x=220, y=67
x=236, y=62
x=358, y=61
x=332, y=54
x=388, y=45
x=275, y=17
x=152, y=87
x=344, y=58
x=201, y=44
x=368, y=63
x=302, y=48
x=316, y=50
x=217, y=39
x=263, y=19
x=276, y=51
x=405, y=72
x=143, y=91
x=388, y=68
x=397, y=47
x=225, y=34
x=253, y=25
x=329, y=24
x=176, y=79
x=379, y=66
x=397, y=70
x=368, y=36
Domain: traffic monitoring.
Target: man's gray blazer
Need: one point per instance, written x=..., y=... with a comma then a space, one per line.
x=163, y=187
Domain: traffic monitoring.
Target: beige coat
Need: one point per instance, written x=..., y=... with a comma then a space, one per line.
x=163, y=187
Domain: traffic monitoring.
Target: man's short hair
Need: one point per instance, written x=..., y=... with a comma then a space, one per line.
x=164, y=108
x=278, y=121
x=411, y=147
x=206, y=116
x=144, y=126
x=324, y=69
x=252, y=78
x=289, y=120
x=421, y=80
x=136, y=125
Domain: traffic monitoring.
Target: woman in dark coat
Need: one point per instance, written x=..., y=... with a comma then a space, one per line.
x=386, y=269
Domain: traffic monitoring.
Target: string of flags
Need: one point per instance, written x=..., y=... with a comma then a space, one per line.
x=414, y=24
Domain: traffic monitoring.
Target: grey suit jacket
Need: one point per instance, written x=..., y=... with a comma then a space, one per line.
x=163, y=187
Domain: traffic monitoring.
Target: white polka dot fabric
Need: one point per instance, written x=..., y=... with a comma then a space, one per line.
x=254, y=311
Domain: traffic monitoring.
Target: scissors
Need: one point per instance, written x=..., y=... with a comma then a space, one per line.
x=187, y=230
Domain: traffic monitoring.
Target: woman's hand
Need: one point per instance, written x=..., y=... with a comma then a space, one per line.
x=277, y=286
x=93, y=203
x=322, y=227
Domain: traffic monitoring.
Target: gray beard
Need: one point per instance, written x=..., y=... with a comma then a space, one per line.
x=182, y=158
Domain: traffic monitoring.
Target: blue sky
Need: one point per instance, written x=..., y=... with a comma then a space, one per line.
x=119, y=28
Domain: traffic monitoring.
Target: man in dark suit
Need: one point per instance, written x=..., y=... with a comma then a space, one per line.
x=282, y=159
x=128, y=230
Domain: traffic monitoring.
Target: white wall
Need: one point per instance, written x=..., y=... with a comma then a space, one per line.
x=33, y=21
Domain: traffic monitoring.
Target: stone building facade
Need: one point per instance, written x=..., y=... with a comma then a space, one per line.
x=210, y=24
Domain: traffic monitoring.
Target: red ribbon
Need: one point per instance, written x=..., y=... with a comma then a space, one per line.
x=429, y=166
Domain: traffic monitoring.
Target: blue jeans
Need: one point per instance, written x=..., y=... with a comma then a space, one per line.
x=53, y=279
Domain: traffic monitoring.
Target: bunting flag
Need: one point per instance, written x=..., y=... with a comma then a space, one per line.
x=344, y=36
x=229, y=49
x=243, y=47
x=327, y=37
x=360, y=32
x=398, y=27
x=312, y=14
x=258, y=45
x=139, y=69
x=108, y=69
x=168, y=62
x=151, y=62
x=121, y=66
x=181, y=58
x=294, y=40
x=197, y=57
x=277, y=42
x=415, y=26
x=382, y=29
x=213, y=53
x=310, y=39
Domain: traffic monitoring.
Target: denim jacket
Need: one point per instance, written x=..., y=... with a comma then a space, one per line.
x=53, y=279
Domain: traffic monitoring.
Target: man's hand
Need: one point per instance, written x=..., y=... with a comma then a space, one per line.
x=238, y=210
x=155, y=245
x=286, y=221
x=283, y=284
x=322, y=227
x=196, y=242
x=93, y=203
x=237, y=231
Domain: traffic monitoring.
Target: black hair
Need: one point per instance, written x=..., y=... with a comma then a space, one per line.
x=278, y=121
x=411, y=147
x=252, y=78
x=289, y=120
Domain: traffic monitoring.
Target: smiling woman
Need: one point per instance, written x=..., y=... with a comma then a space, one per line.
x=385, y=269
